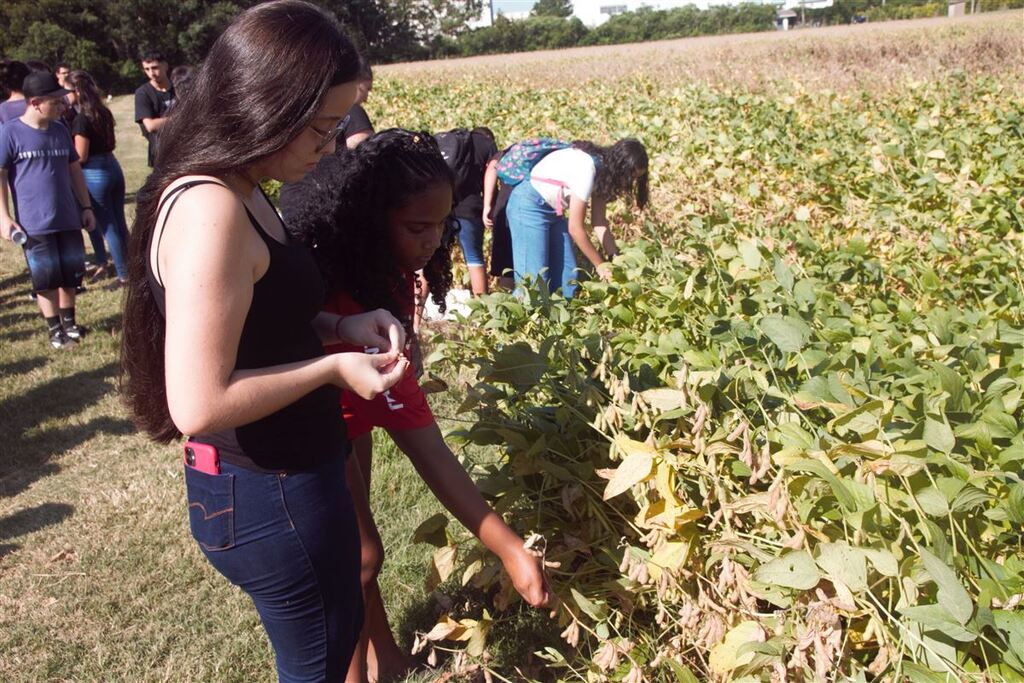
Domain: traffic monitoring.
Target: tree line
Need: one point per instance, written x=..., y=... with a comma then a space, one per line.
x=106, y=37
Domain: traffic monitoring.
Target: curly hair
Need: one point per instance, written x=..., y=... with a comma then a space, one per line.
x=341, y=209
x=621, y=171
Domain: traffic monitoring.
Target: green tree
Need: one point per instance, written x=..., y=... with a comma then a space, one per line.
x=552, y=8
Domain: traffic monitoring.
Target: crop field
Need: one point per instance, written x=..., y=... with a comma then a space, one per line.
x=784, y=443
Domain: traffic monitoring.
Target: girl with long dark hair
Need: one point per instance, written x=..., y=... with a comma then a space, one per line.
x=376, y=215
x=93, y=133
x=547, y=211
x=224, y=331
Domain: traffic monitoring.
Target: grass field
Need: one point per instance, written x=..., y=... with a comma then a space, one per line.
x=99, y=578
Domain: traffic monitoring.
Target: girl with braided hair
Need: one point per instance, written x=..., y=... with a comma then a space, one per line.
x=374, y=215
x=547, y=211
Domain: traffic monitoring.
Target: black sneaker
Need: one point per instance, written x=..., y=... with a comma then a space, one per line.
x=75, y=332
x=60, y=340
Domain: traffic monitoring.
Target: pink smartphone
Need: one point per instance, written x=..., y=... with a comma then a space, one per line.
x=202, y=456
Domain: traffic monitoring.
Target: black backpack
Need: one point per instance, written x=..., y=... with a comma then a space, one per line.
x=457, y=149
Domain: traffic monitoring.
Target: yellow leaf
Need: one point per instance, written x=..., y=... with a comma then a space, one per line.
x=724, y=657
x=635, y=468
x=445, y=628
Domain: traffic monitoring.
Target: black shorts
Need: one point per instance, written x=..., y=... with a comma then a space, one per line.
x=501, y=238
x=56, y=259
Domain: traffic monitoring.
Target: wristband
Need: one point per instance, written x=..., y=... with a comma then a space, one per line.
x=337, y=324
x=86, y=208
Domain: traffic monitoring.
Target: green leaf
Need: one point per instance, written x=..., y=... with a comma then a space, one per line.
x=793, y=570
x=598, y=611
x=432, y=531
x=682, y=672
x=843, y=562
x=842, y=494
x=789, y=334
x=519, y=365
x=937, y=618
x=751, y=255
x=932, y=502
x=938, y=435
x=952, y=595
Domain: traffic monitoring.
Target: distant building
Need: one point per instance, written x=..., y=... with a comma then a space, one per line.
x=791, y=12
x=785, y=18
x=957, y=8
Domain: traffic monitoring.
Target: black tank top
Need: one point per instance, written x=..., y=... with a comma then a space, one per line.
x=278, y=329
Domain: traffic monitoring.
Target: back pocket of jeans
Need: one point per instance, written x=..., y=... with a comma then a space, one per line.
x=211, y=508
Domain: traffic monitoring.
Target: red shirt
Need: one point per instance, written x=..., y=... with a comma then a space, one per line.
x=402, y=407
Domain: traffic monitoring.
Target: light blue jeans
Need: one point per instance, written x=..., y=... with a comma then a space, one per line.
x=541, y=245
x=105, y=181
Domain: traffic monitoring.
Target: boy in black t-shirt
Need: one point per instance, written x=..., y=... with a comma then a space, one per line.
x=153, y=99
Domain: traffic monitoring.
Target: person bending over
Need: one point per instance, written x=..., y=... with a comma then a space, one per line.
x=547, y=210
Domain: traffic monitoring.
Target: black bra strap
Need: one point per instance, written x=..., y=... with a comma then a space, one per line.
x=173, y=197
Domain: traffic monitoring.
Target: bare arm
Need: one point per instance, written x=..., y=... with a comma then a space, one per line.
x=447, y=479
x=578, y=231
x=377, y=328
x=490, y=185
x=82, y=147
x=153, y=125
x=603, y=232
x=7, y=222
x=352, y=141
x=82, y=195
x=208, y=263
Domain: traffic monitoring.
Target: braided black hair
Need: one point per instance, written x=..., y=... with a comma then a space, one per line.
x=621, y=170
x=341, y=211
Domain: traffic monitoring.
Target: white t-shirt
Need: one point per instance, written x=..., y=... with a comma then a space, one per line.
x=573, y=167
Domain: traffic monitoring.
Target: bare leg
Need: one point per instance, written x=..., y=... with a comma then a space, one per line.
x=67, y=297
x=358, y=488
x=48, y=302
x=477, y=280
x=377, y=657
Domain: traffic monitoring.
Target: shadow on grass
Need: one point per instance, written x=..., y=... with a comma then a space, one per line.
x=28, y=449
x=16, y=280
x=14, y=317
x=24, y=522
x=22, y=365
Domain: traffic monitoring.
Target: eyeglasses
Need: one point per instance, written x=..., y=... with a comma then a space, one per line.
x=329, y=136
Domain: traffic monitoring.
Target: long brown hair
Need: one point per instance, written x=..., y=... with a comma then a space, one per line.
x=261, y=84
x=90, y=105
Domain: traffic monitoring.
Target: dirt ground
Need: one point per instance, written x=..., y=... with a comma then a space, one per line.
x=864, y=56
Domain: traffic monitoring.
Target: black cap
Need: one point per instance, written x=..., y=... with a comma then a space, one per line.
x=42, y=84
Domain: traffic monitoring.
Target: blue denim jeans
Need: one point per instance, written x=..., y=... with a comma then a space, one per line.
x=471, y=239
x=105, y=181
x=541, y=245
x=290, y=542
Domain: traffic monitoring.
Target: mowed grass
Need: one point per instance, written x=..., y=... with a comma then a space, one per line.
x=99, y=577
